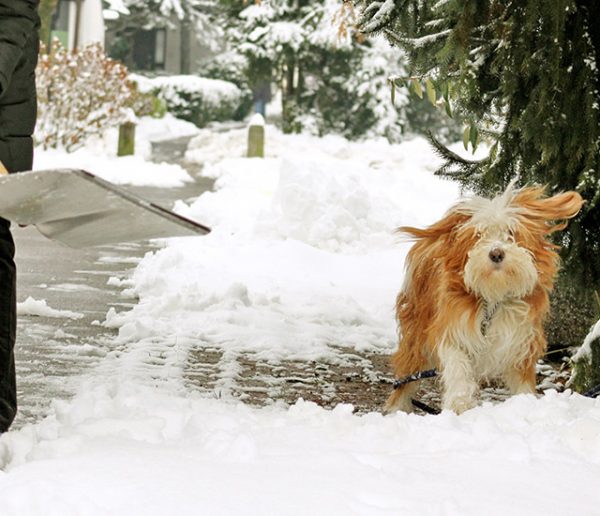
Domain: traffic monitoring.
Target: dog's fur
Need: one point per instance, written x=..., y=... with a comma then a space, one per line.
x=471, y=317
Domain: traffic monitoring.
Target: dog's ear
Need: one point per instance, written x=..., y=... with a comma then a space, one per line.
x=541, y=209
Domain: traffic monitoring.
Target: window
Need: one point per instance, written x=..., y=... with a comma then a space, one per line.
x=149, y=49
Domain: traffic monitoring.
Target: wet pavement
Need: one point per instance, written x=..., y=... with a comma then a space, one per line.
x=52, y=353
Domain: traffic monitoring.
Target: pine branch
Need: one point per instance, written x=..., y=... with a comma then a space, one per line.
x=451, y=157
x=383, y=13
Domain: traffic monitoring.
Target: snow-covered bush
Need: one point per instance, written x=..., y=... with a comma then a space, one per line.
x=196, y=99
x=232, y=67
x=80, y=94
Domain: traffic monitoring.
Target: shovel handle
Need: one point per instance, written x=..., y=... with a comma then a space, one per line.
x=3, y=171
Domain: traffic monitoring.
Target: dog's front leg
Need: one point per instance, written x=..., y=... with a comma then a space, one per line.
x=520, y=379
x=460, y=387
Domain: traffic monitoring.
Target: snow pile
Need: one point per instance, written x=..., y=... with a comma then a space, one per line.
x=151, y=129
x=40, y=308
x=124, y=450
x=302, y=257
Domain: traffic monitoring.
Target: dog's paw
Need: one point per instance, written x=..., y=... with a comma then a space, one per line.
x=459, y=404
x=398, y=402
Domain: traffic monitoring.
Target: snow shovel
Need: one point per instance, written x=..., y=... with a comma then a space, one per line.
x=80, y=209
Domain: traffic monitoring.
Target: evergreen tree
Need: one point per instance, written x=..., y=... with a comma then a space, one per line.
x=330, y=78
x=524, y=74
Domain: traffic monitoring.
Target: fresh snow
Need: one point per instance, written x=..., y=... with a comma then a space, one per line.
x=302, y=261
x=119, y=449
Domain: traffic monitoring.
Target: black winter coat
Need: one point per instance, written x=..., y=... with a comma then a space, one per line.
x=19, y=45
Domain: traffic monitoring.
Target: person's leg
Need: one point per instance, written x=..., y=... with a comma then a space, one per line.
x=8, y=326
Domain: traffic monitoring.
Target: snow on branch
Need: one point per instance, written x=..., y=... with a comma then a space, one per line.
x=380, y=18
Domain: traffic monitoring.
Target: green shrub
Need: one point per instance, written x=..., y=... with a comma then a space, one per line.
x=196, y=99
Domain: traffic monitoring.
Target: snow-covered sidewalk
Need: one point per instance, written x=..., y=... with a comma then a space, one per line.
x=302, y=262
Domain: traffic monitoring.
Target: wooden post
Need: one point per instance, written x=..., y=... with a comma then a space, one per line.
x=126, y=139
x=256, y=137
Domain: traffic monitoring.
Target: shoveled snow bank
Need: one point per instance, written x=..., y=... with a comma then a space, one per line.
x=123, y=450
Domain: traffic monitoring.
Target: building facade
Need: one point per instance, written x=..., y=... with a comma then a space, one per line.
x=172, y=49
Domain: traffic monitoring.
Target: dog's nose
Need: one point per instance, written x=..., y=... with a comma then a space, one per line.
x=496, y=255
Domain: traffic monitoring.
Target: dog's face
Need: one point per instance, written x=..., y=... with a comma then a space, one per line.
x=510, y=253
x=498, y=266
x=498, y=248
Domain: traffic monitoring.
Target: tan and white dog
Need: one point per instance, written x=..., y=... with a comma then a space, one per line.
x=476, y=293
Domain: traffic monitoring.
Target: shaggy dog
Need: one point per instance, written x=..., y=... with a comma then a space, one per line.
x=476, y=293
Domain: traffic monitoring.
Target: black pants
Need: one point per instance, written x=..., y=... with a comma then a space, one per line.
x=8, y=327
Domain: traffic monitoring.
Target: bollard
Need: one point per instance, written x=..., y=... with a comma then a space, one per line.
x=126, y=139
x=256, y=137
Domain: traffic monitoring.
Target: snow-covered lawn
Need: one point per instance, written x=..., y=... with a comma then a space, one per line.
x=302, y=260
x=99, y=156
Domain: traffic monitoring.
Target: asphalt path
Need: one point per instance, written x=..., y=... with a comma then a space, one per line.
x=52, y=353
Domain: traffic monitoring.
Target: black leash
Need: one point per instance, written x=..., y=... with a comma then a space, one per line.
x=429, y=373
x=425, y=408
x=593, y=392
